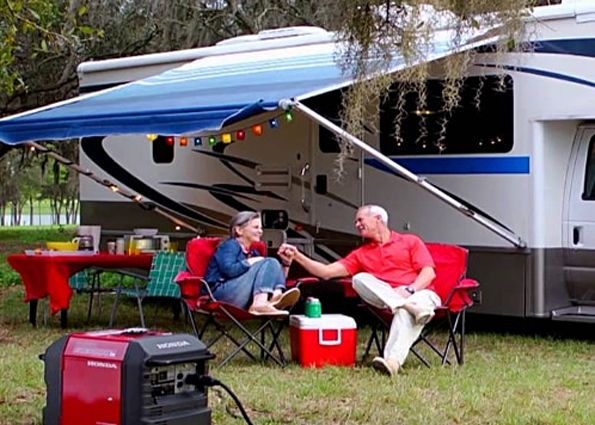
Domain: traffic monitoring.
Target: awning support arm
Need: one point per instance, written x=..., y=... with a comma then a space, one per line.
x=110, y=185
x=496, y=228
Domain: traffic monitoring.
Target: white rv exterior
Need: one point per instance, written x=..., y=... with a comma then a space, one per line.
x=541, y=188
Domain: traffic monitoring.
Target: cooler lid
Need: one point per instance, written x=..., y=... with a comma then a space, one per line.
x=326, y=321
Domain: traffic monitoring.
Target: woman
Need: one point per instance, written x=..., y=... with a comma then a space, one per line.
x=239, y=275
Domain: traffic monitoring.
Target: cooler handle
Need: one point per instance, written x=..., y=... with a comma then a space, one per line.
x=323, y=341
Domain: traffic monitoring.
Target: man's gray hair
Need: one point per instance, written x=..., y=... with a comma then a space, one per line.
x=241, y=219
x=377, y=210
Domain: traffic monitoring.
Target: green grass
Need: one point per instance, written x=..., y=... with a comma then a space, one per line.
x=507, y=379
x=17, y=239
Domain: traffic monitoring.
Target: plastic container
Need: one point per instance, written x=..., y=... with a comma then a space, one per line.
x=328, y=340
x=120, y=246
x=312, y=307
x=63, y=246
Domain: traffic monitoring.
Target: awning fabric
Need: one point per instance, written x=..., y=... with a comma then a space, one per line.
x=203, y=95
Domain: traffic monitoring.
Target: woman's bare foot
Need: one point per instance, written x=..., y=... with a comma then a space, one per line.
x=266, y=310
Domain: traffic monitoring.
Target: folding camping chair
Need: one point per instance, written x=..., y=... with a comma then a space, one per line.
x=88, y=282
x=454, y=289
x=159, y=283
x=225, y=317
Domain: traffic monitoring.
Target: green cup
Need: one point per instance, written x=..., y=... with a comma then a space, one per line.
x=312, y=308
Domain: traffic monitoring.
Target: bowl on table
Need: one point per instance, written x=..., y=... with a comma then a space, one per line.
x=62, y=246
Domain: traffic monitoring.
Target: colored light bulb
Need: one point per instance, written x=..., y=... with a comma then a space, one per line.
x=152, y=137
x=226, y=137
x=257, y=130
x=197, y=141
x=183, y=141
x=240, y=134
x=212, y=140
x=169, y=140
x=274, y=123
x=288, y=116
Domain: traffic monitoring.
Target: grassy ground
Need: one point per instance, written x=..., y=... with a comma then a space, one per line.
x=17, y=239
x=507, y=379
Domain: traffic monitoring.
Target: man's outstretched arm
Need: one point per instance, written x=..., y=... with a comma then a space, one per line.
x=324, y=271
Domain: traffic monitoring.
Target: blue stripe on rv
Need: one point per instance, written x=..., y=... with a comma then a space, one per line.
x=460, y=165
x=576, y=46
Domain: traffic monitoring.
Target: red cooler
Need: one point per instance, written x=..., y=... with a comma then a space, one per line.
x=329, y=339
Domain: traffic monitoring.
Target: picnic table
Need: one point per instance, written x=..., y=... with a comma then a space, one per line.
x=47, y=275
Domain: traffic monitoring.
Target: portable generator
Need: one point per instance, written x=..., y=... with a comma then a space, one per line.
x=125, y=377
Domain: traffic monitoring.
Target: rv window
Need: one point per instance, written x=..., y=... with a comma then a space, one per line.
x=589, y=190
x=481, y=123
x=163, y=149
x=329, y=106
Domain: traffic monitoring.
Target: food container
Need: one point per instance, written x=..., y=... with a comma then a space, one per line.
x=62, y=246
x=327, y=340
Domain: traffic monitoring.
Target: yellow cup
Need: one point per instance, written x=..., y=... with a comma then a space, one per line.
x=131, y=247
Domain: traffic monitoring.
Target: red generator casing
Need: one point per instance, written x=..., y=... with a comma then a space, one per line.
x=125, y=377
x=330, y=339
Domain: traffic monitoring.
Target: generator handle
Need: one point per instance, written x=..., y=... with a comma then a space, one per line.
x=179, y=359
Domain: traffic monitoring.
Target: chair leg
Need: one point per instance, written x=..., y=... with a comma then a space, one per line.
x=222, y=332
x=275, y=332
x=204, y=326
x=462, y=340
x=375, y=339
x=90, y=305
x=190, y=317
x=419, y=356
x=452, y=339
x=139, y=302
x=250, y=337
x=112, y=318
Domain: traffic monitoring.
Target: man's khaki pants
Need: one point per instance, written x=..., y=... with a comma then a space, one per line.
x=403, y=330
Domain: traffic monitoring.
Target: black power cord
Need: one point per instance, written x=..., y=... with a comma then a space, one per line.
x=209, y=381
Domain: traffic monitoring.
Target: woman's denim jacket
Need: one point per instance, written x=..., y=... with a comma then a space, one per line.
x=229, y=261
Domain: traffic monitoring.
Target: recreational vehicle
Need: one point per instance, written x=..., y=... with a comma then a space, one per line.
x=512, y=178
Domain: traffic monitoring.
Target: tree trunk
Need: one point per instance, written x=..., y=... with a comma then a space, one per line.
x=31, y=209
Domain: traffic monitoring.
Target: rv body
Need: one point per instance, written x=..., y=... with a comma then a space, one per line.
x=540, y=186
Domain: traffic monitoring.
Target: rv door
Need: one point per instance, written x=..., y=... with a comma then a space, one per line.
x=337, y=185
x=579, y=228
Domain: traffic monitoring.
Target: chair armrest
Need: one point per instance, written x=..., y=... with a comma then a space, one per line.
x=190, y=285
x=302, y=281
x=467, y=284
x=344, y=282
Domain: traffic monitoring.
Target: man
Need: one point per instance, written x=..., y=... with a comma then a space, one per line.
x=390, y=270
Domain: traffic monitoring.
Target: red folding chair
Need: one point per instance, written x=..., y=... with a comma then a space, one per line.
x=198, y=298
x=454, y=289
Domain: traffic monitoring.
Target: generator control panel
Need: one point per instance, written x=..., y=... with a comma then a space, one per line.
x=170, y=379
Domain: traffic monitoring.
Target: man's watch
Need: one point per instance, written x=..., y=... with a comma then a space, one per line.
x=410, y=289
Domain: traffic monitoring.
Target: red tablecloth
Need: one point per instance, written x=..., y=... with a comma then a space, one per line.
x=47, y=275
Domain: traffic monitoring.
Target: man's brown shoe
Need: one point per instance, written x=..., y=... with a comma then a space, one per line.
x=388, y=367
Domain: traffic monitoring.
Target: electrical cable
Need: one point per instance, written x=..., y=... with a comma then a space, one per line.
x=209, y=381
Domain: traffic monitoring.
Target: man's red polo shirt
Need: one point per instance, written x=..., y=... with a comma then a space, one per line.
x=397, y=262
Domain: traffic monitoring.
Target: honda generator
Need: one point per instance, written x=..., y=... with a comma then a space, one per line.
x=125, y=377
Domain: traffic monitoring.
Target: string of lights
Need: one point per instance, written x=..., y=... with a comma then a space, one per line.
x=228, y=137
x=179, y=224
